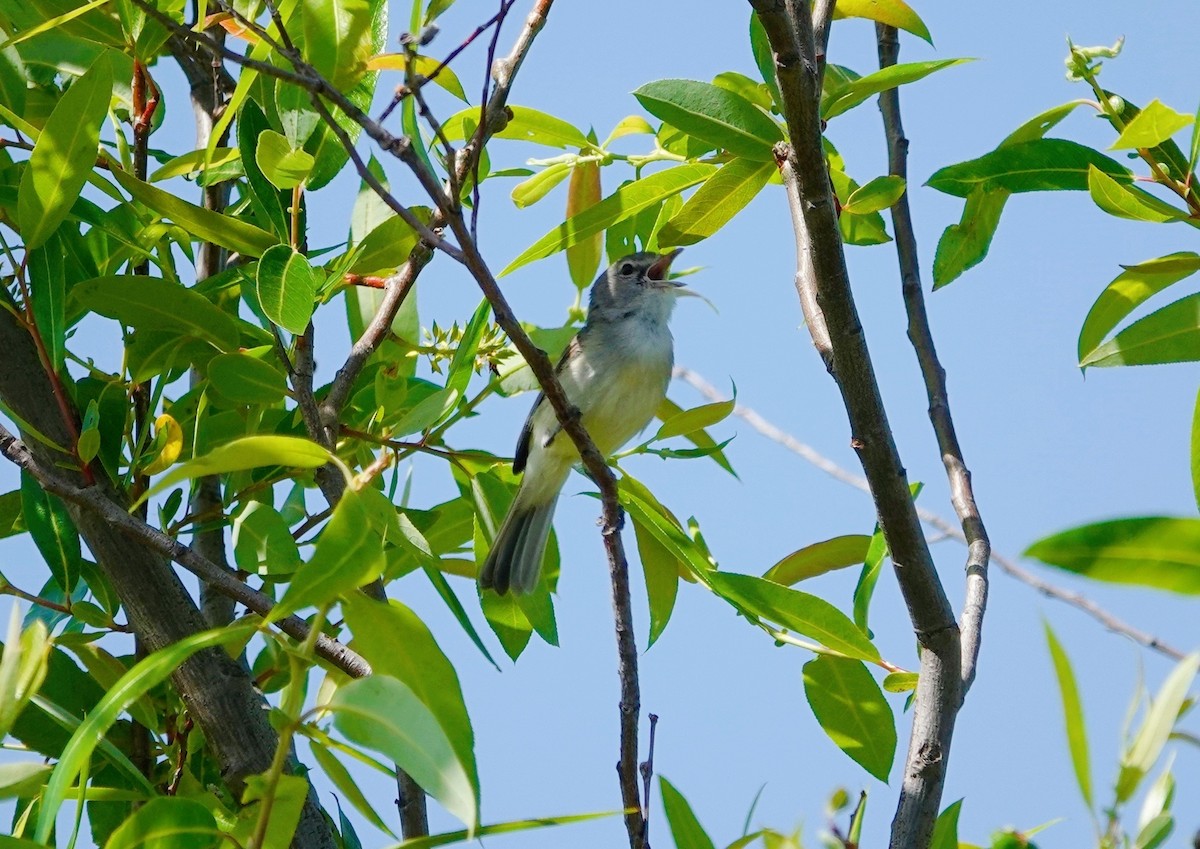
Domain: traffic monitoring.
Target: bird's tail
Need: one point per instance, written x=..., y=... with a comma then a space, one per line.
x=515, y=559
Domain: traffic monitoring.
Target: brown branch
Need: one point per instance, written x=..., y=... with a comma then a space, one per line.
x=943, y=526
x=962, y=496
x=789, y=29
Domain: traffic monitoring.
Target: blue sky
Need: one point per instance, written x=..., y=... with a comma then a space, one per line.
x=1049, y=449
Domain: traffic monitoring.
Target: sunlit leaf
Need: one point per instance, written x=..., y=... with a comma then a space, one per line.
x=715, y=115
x=1167, y=335
x=895, y=13
x=716, y=202
x=1129, y=201
x=819, y=558
x=686, y=830
x=1032, y=166
x=244, y=379
x=286, y=286
x=852, y=710
x=1153, y=125
x=53, y=532
x=1072, y=715
x=284, y=167
x=843, y=98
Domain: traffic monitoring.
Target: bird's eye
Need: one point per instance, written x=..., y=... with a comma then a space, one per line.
x=627, y=269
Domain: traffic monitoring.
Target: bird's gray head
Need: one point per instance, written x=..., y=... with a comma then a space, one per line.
x=638, y=286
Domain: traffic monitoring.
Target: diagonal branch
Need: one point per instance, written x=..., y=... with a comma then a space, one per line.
x=959, y=476
x=930, y=518
x=789, y=28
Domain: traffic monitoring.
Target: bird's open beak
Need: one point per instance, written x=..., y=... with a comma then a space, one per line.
x=661, y=268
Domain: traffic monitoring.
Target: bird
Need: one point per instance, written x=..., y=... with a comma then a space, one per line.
x=615, y=372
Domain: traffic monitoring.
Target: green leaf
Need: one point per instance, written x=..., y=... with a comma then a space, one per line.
x=249, y=452
x=53, y=532
x=23, y=667
x=525, y=124
x=1141, y=755
x=427, y=413
x=795, y=611
x=764, y=56
x=839, y=99
x=853, y=711
x=1195, y=454
x=528, y=192
x=894, y=13
x=423, y=667
x=584, y=192
x=1132, y=287
x=945, y=830
x=1158, y=552
x=202, y=224
x=244, y=379
x=152, y=303
x=385, y=715
x=625, y=202
x=661, y=571
x=900, y=682
x=1072, y=715
x=450, y=837
x=715, y=203
x=14, y=82
x=712, y=114
x=193, y=163
x=12, y=521
x=48, y=291
x=697, y=418
x=168, y=822
x=1155, y=832
x=347, y=556
x=133, y=685
x=1152, y=126
x=1168, y=335
x=284, y=167
x=262, y=542
x=1129, y=201
x=385, y=248
x=64, y=154
x=876, y=195
x=745, y=87
x=819, y=558
x=663, y=527
x=264, y=198
x=338, y=39
x=686, y=830
x=462, y=365
x=700, y=438
x=1032, y=166
x=286, y=286
x=346, y=784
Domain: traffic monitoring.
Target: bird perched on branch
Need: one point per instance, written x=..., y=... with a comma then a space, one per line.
x=615, y=371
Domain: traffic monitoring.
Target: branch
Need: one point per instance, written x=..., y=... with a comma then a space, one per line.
x=932, y=519
x=789, y=29
x=962, y=496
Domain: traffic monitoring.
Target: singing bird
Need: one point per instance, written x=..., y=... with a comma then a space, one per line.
x=615, y=371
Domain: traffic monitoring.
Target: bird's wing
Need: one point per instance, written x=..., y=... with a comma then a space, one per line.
x=525, y=440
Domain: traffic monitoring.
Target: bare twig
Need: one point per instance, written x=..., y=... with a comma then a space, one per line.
x=932, y=519
x=789, y=30
x=647, y=771
x=90, y=499
x=962, y=496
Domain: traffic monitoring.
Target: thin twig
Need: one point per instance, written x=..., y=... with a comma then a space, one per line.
x=944, y=526
x=647, y=771
x=91, y=499
x=789, y=29
x=962, y=495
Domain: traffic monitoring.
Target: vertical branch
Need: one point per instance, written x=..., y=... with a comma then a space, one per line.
x=979, y=548
x=789, y=28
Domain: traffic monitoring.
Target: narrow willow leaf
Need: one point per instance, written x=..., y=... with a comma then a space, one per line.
x=347, y=556
x=385, y=715
x=167, y=821
x=528, y=192
x=715, y=203
x=249, y=452
x=284, y=166
x=584, y=192
x=622, y=204
x=345, y=783
x=1158, y=552
x=1168, y=335
x=423, y=66
x=525, y=125
x=661, y=571
x=451, y=837
x=1160, y=719
x=12, y=522
x=64, y=155
x=876, y=195
x=423, y=667
x=1155, y=832
x=686, y=830
x=462, y=365
x=202, y=224
x=1152, y=126
x=1072, y=715
x=697, y=418
x=23, y=667
x=152, y=303
x=244, y=379
x=712, y=114
x=47, y=275
x=139, y=680
x=795, y=611
x=745, y=87
x=191, y=164
x=868, y=578
x=385, y=248
x=263, y=543
x=700, y=438
x=337, y=39
x=264, y=198
x=853, y=711
x=900, y=682
x=1129, y=202
x=1132, y=287
x=654, y=519
x=1032, y=166
x=286, y=286
x=819, y=558
x=945, y=830
x=53, y=532
x=764, y=56
x=628, y=126
x=843, y=98
x=894, y=13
